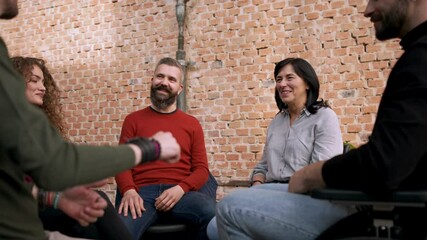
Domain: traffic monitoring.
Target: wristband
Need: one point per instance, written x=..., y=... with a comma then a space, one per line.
x=56, y=200
x=150, y=148
x=158, y=149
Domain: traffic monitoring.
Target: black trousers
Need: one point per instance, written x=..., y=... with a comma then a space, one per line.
x=109, y=226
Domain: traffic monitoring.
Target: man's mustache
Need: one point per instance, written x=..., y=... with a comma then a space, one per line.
x=163, y=88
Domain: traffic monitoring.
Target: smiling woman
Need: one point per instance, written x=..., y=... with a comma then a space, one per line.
x=304, y=131
x=35, y=87
x=41, y=89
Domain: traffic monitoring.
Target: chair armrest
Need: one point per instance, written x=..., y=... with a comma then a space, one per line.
x=398, y=198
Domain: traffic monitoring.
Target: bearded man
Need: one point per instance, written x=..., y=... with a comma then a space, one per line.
x=156, y=190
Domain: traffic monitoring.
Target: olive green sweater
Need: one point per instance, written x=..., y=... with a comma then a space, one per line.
x=29, y=145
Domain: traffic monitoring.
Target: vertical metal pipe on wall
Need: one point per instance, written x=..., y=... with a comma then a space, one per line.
x=180, y=53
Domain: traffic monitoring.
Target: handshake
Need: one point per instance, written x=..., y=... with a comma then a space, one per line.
x=161, y=145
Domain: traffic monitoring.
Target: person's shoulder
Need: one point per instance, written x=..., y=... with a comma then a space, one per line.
x=411, y=67
x=187, y=120
x=137, y=113
x=417, y=52
x=420, y=42
x=326, y=112
x=280, y=116
x=4, y=55
x=3, y=46
x=186, y=115
x=414, y=61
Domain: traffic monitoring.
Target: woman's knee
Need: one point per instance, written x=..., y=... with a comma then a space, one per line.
x=212, y=230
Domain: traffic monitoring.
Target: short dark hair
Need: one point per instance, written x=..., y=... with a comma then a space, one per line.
x=305, y=71
x=170, y=62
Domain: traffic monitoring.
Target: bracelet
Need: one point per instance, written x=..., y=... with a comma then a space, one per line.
x=254, y=181
x=158, y=149
x=56, y=200
x=48, y=199
x=150, y=148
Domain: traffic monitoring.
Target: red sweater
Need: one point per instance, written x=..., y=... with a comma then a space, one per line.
x=190, y=172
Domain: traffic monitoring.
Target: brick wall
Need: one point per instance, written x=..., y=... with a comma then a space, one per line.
x=102, y=54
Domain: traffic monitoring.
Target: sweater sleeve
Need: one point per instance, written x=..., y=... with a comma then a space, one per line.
x=37, y=149
x=199, y=162
x=124, y=179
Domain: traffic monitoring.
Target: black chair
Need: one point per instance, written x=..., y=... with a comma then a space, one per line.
x=167, y=231
x=401, y=215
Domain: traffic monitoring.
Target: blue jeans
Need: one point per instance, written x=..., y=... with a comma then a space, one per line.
x=269, y=211
x=194, y=208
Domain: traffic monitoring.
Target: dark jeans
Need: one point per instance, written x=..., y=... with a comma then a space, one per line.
x=108, y=227
x=210, y=187
x=195, y=209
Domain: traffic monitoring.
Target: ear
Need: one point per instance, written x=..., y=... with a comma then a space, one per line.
x=181, y=87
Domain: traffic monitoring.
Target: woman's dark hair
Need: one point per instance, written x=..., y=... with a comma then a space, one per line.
x=305, y=71
x=51, y=100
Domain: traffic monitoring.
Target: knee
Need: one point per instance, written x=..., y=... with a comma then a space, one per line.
x=229, y=203
x=206, y=206
x=210, y=207
x=127, y=220
x=212, y=230
x=208, y=212
x=204, y=212
x=220, y=207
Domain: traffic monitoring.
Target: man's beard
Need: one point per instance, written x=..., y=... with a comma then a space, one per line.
x=391, y=22
x=162, y=101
